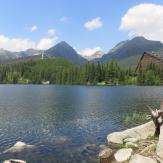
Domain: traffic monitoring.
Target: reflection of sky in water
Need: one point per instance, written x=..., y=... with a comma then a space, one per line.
x=66, y=123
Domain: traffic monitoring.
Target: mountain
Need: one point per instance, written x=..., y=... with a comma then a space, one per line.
x=97, y=54
x=127, y=53
x=64, y=50
x=6, y=55
x=28, y=52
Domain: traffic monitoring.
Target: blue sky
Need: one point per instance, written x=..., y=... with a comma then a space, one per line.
x=66, y=19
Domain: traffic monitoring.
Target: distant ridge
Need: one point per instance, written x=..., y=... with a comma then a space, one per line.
x=126, y=53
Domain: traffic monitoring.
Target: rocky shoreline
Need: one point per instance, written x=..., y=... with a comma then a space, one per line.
x=135, y=145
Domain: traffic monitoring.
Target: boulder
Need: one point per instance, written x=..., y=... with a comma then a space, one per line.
x=159, y=149
x=141, y=159
x=123, y=154
x=138, y=133
x=18, y=147
x=105, y=155
x=132, y=140
x=14, y=161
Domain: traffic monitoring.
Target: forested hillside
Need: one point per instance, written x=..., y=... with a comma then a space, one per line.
x=61, y=71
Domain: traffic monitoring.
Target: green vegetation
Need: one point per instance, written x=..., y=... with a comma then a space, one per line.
x=61, y=71
x=152, y=75
x=135, y=118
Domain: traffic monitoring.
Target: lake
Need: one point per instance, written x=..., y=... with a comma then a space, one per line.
x=66, y=123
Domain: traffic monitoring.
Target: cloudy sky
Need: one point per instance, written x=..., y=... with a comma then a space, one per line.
x=87, y=25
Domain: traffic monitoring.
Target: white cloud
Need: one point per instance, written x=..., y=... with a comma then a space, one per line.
x=87, y=52
x=51, y=32
x=21, y=44
x=63, y=19
x=15, y=44
x=33, y=28
x=144, y=20
x=93, y=24
x=45, y=43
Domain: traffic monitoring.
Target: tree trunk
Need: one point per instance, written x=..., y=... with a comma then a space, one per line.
x=157, y=117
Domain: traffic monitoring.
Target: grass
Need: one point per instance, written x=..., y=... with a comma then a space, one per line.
x=134, y=119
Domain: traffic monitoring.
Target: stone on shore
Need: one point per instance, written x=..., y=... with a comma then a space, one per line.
x=123, y=154
x=18, y=147
x=141, y=159
x=132, y=140
x=159, y=149
x=138, y=133
x=14, y=161
x=105, y=155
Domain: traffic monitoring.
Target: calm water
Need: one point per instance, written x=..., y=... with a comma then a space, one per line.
x=66, y=123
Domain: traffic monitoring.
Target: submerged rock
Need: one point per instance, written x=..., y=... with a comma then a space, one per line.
x=14, y=161
x=141, y=159
x=138, y=133
x=60, y=140
x=123, y=154
x=18, y=147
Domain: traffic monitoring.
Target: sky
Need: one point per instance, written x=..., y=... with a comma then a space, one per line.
x=87, y=25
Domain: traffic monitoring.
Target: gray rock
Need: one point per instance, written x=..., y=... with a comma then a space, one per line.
x=18, y=147
x=107, y=152
x=106, y=155
x=14, y=161
x=123, y=154
x=159, y=149
x=139, y=133
x=141, y=159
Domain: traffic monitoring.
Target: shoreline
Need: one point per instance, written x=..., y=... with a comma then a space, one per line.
x=134, y=145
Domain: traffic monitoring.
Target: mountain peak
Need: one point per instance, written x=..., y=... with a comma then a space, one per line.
x=138, y=38
x=63, y=43
x=131, y=50
x=64, y=50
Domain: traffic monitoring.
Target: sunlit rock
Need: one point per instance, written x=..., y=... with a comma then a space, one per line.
x=106, y=155
x=141, y=159
x=14, y=161
x=138, y=133
x=18, y=147
x=123, y=154
x=159, y=148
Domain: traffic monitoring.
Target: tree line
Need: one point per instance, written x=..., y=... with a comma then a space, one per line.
x=61, y=71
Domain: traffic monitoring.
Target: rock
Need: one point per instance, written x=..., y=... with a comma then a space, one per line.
x=132, y=140
x=60, y=140
x=102, y=147
x=123, y=154
x=139, y=132
x=141, y=159
x=14, y=161
x=159, y=149
x=18, y=147
x=105, y=155
x=131, y=144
